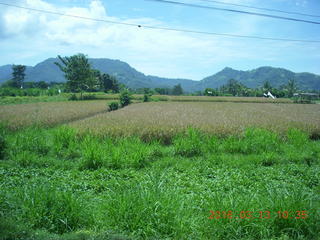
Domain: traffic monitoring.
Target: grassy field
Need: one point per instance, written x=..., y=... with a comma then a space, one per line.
x=56, y=184
x=49, y=113
x=226, y=171
x=163, y=120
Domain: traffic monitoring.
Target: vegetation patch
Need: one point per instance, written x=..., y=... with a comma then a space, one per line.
x=60, y=184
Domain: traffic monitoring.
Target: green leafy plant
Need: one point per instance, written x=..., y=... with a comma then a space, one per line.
x=125, y=98
x=113, y=106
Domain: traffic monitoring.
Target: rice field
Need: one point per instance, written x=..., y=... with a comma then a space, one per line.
x=165, y=119
x=227, y=170
x=48, y=113
x=220, y=99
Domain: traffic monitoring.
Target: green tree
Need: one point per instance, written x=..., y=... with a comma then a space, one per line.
x=234, y=87
x=42, y=84
x=125, y=98
x=147, y=95
x=78, y=72
x=109, y=82
x=291, y=87
x=210, y=92
x=162, y=91
x=267, y=86
x=18, y=74
x=177, y=90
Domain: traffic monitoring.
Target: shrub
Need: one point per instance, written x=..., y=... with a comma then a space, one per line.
x=146, y=98
x=125, y=98
x=73, y=97
x=2, y=147
x=113, y=106
x=89, y=97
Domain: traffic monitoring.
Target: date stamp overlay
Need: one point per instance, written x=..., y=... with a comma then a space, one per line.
x=218, y=215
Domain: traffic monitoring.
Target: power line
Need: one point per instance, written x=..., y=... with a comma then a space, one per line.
x=162, y=28
x=234, y=11
x=260, y=8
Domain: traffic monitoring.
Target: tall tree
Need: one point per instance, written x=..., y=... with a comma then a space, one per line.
x=109, y=82
x=78, y=72
x=18, y=75
x=177, y=90
x=267, y=86
x=291, y=87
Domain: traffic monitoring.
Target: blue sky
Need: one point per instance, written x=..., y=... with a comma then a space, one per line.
x=28, y=38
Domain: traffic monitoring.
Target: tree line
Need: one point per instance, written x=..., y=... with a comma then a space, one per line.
x=236, y=88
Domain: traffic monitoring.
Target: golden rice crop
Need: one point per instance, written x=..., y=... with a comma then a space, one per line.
x=221, y=99
x=49, y=113
x=165, y=119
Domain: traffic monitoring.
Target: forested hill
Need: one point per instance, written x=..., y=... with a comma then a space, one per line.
x=255, y=78
x=49, y=72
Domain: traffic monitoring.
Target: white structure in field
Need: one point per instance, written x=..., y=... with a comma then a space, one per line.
x=269, y=94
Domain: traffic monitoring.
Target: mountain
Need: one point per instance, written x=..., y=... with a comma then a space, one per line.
x=256, y=78
x=49, y=72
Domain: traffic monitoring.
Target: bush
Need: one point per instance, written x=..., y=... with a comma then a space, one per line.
x=146, y=98
x=113, y=106
x=89, y=97
x=73, y=97
x=125, y=98
x=2, y=147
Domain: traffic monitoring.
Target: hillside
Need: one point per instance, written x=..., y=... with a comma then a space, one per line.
x=256, y=78
x=49, y=72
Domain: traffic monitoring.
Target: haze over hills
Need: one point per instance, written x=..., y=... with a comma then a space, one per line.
x=49, y=72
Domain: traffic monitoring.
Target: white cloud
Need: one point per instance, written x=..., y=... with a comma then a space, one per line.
x=157, y=52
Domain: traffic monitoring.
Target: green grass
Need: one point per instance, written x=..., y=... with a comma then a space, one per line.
x=59, y=184
x=27, y=99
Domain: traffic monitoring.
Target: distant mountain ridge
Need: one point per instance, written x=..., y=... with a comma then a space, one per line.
x=49, y=72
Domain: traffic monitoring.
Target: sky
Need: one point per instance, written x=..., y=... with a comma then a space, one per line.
x=28, y=37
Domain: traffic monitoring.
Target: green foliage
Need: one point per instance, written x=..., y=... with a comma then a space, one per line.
x=10, y=229
x=267, y=86
x=162, y=91
x=113, y=106
x=93, y=154
x=234, y=88
x=188, y=144
x=147, y=95
x=177, y=90
x=210, y=92
x=18, y=75
x=2, y=146
x=63, y=138
x=118, y=187
x=78, y=73
x=125, y=98
x=73, y=97
x=291, y=87
x=109, y=83
x=54, y=210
